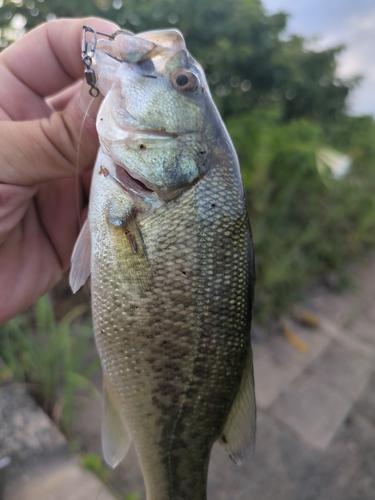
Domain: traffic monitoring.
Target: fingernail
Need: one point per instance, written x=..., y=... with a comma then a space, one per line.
x=89, y=105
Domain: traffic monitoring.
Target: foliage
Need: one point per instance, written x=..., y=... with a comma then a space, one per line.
x=94, y=463
x=239, y=46
x=303, y=225
x=131, y=496
x=49, y=357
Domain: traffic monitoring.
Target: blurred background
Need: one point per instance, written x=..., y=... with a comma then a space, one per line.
x=294, y=82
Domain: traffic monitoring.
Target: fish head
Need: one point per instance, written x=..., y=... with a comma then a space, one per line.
x=158, y=118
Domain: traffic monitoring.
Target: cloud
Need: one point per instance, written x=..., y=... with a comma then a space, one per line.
x=336, y=22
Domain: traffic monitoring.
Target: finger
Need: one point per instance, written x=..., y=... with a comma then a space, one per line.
x=17, y=100
x=42, y=63
x=56, y=50
x=32, y=152
x=14, y=201
x=88, y=105
x=86, y=184
x=60, y=100
x=59, y=209
x=32, y=266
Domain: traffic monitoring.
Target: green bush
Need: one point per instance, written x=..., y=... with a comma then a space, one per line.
x=304, y=225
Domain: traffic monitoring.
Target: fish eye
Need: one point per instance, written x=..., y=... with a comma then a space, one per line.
x=185, y=80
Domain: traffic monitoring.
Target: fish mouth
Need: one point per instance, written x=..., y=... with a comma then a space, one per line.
x=135, y=187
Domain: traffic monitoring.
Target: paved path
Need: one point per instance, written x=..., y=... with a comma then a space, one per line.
x=315, y=389
x=59, y=480
x=316, y=406
x=41, y=466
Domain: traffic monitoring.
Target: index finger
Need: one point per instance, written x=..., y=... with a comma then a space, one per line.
x=48, y=58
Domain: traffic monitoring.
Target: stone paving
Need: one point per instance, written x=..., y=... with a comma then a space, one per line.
x=59, y=480
x=316, y=413
x=319, y=398
x=316, y=406
x=41, y=466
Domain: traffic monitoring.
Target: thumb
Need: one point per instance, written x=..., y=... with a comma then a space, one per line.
x=53, y=147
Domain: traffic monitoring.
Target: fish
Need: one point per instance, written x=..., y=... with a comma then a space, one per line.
x=169, y=250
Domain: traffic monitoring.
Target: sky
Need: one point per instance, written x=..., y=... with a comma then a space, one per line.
x=334, y=22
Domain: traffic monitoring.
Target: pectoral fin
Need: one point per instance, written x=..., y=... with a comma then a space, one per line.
x=81, y=259
x=116, y=438
x=238, y=436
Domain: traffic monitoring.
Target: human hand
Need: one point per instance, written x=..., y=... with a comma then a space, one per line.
x=47, y=149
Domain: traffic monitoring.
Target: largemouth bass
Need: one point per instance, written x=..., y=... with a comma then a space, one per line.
x=169, y=249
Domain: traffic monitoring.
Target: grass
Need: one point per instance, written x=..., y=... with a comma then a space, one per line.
x=94, y=463
x=131, y=496
x=49, y=357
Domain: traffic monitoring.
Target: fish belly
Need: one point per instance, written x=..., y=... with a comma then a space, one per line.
x=171, y=301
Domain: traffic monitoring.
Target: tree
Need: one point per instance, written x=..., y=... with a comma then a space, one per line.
x=243, y=50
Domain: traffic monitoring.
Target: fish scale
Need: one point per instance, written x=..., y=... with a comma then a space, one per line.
x=167, y=362
x=172, y=276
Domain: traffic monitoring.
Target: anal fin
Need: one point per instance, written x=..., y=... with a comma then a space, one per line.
x=116, y=438
x=238, y=435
